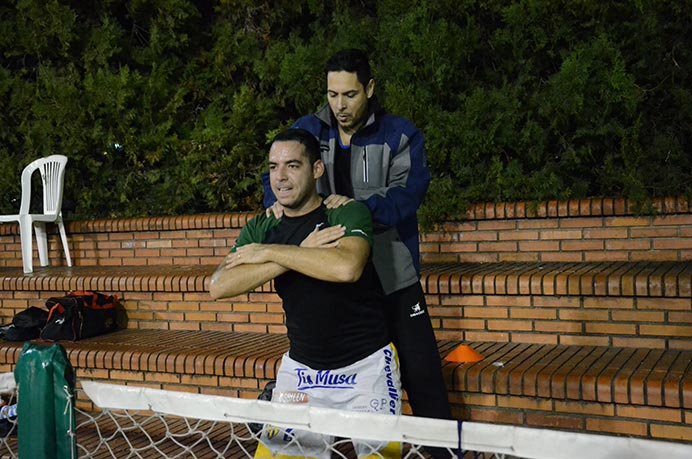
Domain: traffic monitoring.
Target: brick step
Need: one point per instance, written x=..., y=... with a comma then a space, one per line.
x=622, y=391
x=644, y=393
x=650, y=377
x=632, y=279
x=623, y=304
x=174, y=352
x=617, y=278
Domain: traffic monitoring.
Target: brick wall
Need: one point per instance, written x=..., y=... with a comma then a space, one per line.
x=195, y=239
x=160, y=267
x=572, y=231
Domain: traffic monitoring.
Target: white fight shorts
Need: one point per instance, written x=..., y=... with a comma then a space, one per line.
x=370, y=385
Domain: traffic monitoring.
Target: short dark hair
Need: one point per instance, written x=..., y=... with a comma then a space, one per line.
x=353, y=61
x=303, y=137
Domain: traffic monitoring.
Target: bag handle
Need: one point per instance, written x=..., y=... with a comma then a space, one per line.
x=99, y=300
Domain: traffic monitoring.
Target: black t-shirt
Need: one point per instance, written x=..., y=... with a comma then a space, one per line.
x=330, y=324
x=342, y=171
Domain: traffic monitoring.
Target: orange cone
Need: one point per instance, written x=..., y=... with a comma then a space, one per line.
x=462, y=354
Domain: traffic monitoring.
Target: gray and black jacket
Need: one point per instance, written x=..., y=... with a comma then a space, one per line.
x=389, y=175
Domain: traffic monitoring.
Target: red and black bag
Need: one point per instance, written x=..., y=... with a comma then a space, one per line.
x=80, y=314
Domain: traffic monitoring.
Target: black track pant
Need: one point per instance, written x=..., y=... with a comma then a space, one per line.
x=412, y=334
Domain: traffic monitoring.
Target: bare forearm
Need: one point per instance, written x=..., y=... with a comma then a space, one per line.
x=253, y=264
x=334, y=264
x=228, y=282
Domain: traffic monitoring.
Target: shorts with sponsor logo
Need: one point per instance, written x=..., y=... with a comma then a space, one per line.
x=370, y=385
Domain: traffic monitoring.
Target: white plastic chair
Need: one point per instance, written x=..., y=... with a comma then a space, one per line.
x=52, y=170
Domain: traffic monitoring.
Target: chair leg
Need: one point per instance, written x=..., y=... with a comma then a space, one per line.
x=25, y=230
x=41, y=242
x=63, y=237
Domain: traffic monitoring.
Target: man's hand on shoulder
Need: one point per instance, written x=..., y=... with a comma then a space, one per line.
x=336, y=200
x=276, y=209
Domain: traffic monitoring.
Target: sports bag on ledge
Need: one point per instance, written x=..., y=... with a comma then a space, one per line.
x=80, y=314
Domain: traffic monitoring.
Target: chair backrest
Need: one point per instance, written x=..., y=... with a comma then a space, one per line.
x=52, y=169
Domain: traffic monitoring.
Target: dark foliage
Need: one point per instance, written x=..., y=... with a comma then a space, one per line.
x=164, y=107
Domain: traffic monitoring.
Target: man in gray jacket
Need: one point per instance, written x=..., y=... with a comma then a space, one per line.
x=379, y=159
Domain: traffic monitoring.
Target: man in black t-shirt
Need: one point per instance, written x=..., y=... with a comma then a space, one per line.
x=340, y=354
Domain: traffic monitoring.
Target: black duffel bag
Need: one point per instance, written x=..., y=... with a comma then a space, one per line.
x=80, y=314
x=26, y=325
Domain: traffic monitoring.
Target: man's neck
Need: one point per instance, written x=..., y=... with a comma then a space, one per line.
x=346, y=135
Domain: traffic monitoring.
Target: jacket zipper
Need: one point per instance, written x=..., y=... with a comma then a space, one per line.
x=365, y=165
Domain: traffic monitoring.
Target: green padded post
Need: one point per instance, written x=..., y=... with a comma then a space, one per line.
x=46, y=416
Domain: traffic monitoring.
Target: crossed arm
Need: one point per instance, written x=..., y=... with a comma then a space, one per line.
x=324, y=255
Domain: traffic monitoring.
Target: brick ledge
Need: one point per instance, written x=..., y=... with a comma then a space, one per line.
x=594, y=207
x=156, y=278
x=642, y=279
x=646, y=377
x=228, y=354
x=620, y=279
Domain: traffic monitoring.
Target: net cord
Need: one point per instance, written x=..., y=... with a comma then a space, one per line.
x=460, y=452
x=534, y=443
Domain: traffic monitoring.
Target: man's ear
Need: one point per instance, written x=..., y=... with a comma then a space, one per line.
x=370, y=88
x=317, y=169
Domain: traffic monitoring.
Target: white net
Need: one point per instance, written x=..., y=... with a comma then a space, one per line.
x=135, y=422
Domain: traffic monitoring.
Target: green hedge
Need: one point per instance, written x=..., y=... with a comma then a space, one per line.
x=165, y=106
